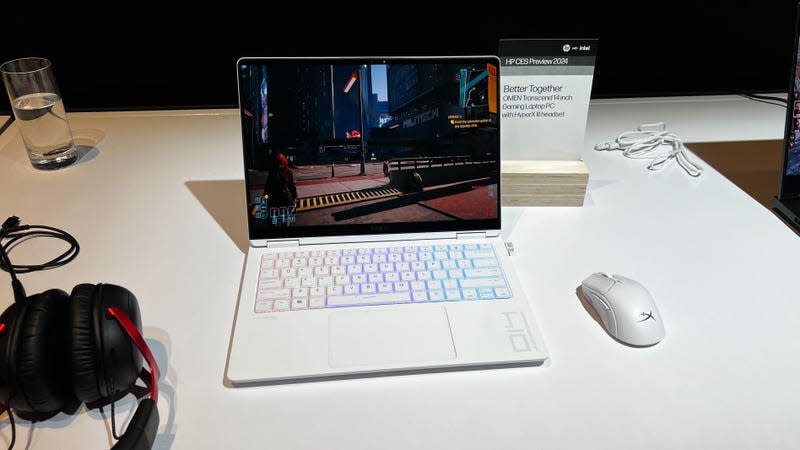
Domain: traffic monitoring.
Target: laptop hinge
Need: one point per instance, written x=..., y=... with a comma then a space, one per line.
x=472, y=235
x=284, y=243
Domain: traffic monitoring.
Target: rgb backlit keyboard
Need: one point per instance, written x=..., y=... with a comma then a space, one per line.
x=300, y=280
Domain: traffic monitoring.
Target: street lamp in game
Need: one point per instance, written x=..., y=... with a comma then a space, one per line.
x=350, y=82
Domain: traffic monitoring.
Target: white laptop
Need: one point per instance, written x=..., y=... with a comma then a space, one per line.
x=373, y=210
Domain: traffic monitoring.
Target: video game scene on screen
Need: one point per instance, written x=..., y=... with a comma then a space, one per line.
x=330, y=144
x=793, y=162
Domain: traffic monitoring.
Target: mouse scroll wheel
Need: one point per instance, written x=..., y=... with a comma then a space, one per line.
x=607, y=275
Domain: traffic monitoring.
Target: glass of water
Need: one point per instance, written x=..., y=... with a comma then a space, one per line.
x=37, y=105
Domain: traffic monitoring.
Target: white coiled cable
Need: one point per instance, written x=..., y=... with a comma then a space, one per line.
x=653, y=141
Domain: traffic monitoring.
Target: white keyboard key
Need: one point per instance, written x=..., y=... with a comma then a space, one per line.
x=351, y=289
x=454, y=273
x=425, y=256
x=469, y=294
x=308, y=281
x=439, y=275
x=334, y=290
x=280, y=305
x=299, y=303
x=387, y=267
x=395, y=257
x=455, y=247
x=407, y=276
x=449, y=265
x=395, y=249
x=434, y=265
x=299, y=262
x=275, y=294
x=349, y=251
x=305, y=271
x=485, y=293
x=338, y=270
x=441, y=248
x=472, y=254
x=379, y=258
x=464, y=264
x=291, y=282
x=354, y=268
x=267, y=264
x=283, y=263
x=439, y=255
x=502, y=293
x=299, y=292
x=318, y=253
x=316, y=302
x=269, y=273
x=482, y=282
x=470, y=246
x=401, y=286
x=417, y=265
x=456, y=255
x=425, y=248
x=331, y=260
x=364, y=251
x=375, y=278
x=485, y=272
x=484, y=246
x=436, y=296
x=270, y=284
x=314, y=261
x=418, y=285
x=288, y=272
x=434, y=284
x=321, y=270
x=484, y=262
x=359, y=278
x=316, y=291
x=450, y=284
x=370, y=268
x=286, y=255
x=453, y=294
x=333, y=253
x=409, y=256
x=324, y=281
x=373, y=299
x=384, y=287
x=347, y=260
x=269, y=256
x=368, y=288
x=420, y=296
x=392, y=276
x=379, y=250
x=402, y=267
x=264, y=307
x=361, y=259
x=342, y=279
x=301, y=254
x=423, y=276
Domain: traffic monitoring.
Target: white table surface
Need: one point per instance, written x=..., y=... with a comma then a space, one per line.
x=158, y=208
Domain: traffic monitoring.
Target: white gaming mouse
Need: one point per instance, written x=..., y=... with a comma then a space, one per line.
x=625, y=307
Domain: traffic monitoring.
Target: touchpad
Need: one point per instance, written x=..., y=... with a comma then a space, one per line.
x=379, y=336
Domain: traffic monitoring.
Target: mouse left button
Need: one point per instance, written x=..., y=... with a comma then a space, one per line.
x=599, y=283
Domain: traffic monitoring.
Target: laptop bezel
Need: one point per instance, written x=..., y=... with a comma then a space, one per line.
x=371, y=232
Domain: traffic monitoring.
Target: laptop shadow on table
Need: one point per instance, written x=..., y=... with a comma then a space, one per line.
x=223, y=200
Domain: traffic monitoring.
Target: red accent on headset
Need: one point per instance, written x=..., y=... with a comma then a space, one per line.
x=2, y=328
x=137, y=339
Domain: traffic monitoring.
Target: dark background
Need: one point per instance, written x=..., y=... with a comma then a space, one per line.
x=144, y=57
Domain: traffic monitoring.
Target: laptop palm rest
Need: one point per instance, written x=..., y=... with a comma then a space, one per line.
x=380, y=336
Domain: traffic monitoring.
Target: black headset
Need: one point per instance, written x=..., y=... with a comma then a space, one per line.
x=59, y=350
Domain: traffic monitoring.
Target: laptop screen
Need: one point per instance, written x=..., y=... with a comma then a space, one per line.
x=370, y=146
x=790, y=183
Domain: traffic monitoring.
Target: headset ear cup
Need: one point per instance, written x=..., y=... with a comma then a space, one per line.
x=8, y=351
x=104, y=360
x=42, y=372
x=83, y=352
